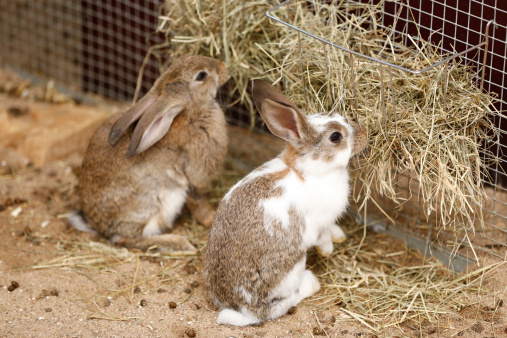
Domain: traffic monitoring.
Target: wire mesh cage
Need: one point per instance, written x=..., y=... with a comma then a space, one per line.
x=100, y=47
x=457, y=32
x=84, y=46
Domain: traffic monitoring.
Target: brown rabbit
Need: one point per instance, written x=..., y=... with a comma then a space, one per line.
x=256, y=254
x=142, y=165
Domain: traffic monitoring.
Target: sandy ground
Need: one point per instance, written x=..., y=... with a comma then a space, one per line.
x=76, y=284
x=57, y=282
x=67, y=288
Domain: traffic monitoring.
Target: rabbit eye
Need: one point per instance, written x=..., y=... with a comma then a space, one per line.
x=201, y=76
x=335, y=137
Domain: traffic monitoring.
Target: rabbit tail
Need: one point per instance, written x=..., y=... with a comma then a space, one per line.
x=232, y=317
x=77, y=221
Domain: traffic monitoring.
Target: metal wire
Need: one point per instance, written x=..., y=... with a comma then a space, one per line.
x=83, y=45
x=379, y=61
x=444, y=24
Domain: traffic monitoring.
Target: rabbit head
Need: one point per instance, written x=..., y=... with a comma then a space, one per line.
x=317, y=142
x=190, y=80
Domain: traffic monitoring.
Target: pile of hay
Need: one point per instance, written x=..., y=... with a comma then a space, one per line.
x=388, y=288
x=428, y=126
x=228, y=30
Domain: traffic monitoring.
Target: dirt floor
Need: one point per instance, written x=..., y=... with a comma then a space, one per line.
x=56, y=281
x=76, y=284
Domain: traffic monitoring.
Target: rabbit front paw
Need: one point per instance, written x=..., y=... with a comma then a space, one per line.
x=325, y=248
x=337, y=234
x=309, y=284
x=152, y=228
x=201, y=209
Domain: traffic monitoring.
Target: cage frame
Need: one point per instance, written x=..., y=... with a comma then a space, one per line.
x=457, y=262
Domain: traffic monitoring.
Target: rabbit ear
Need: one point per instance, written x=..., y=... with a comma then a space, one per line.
x=153, y=125
x=129, y=117
x=281, y=115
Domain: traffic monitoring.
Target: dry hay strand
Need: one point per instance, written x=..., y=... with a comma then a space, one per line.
x=225, y=29
x=386, y=287
x=91, y=255
x=431, y=126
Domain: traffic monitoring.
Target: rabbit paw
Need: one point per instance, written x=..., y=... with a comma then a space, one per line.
x=204, y=216
x=337, y=234
x=200, y=208
x=168, y=244
x=309, y=284
x=325, y=249
x=238, y=318
x=151, y=228
x=175, y=245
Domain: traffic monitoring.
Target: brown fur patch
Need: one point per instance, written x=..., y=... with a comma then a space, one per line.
x=325, y=149
x=280, y=174
x=289, y=157
x=242, y=253
x=360, y=138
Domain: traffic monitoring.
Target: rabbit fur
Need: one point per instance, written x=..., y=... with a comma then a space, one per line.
x=256, y=253
x=142, y=165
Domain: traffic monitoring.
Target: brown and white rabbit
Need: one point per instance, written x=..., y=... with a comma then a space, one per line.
x=142, y=165
x=256, y=253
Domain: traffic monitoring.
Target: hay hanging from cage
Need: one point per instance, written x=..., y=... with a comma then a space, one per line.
x=225, y=29
x=429, y=126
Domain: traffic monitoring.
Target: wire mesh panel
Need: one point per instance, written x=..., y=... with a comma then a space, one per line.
x=476, y=32
x=43, y=38
x=83, y=45
x=104, y=47
x=455, y=26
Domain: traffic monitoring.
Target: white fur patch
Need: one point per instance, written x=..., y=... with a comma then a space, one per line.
x=320, y=121
x=320, y=199
x=276, y=209
x=177, y=176
x=294, y=287
x=324, y=243
x=308, y=165
x=268, y=220
x=273, y=166
x=77, y=221
x=171, y=202
x=326, y=200
x=152, y=228
x=337, y=233
x=237, y=318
